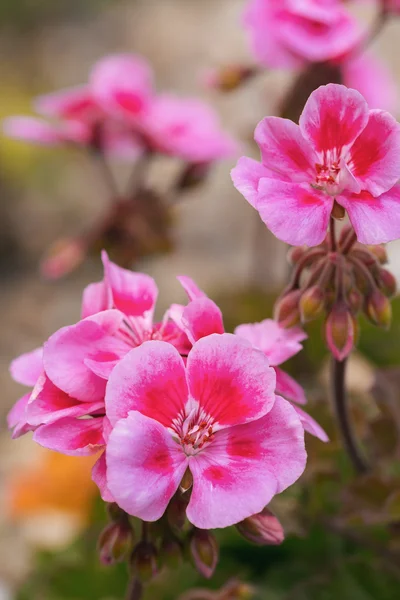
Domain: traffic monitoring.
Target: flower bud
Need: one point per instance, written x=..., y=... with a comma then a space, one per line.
x=355, y=300
x=340, y=331
x=287, y=309
x=144, y=561
x=263, y=529
x=366, y=257
x=115, y=542
x=176, y=512
x=204, y=552
x=295, y=254
x=236, y=590
x=378, y=309
x=193, y=175
x=228, y=78
x=62, y=258
x=387, y=282
x=380, y=253
x=311, y=303
x=171, y=552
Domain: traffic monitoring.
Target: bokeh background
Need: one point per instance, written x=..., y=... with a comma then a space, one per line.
x=342, y=534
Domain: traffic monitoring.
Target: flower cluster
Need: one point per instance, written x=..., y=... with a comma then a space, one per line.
x=170, y=403
x=118, y=113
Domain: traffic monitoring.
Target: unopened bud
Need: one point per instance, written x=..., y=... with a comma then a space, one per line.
x=380, y=253
x=171, y=552
x=355, y=300
x=378, y=309
x=115, y=542
x=62, y=258
x=228, y=78
x=387, y=282
x=287, y=311
x=236, y=590
x=263, y=529
x=295, y=254
x=193, y=175
x=144, y=561
x=340, y=331
x=367, y=258
x=204, y=552
x=176, y=512
x=311, y=304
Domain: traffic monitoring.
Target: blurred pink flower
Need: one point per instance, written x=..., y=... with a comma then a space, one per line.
x=219, y=418
x=341, y=150
x=287, y=33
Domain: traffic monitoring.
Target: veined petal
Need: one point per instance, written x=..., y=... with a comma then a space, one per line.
x=375, y=220
x=134, y=294
x=67, y=351
x=71, y=436
x=296, y=213
x=150, y=379
x=288, y=387
x=27, y=368
x=246, y=177
x=202, y=317
x=231, y=380
x=333, y=118
x=285, y=151
x=374, y=157
x=238, y=474
x=144, y=466
x=277, y=343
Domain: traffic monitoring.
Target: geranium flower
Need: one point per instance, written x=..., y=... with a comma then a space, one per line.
x=340, y=150
x=217, y=417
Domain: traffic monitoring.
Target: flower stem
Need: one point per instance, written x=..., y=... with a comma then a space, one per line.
x=340, y=401
x=332, y=234
x=135, y=590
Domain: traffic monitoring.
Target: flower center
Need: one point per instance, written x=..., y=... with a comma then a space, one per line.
x=327, y=174
x=196, y=431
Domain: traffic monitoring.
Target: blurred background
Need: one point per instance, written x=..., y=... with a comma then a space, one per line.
x=343, y=535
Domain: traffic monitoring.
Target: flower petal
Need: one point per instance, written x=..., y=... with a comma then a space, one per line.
x=333, y=118
x=95, y=299
x=288, y=387
x=295, y=213
x=70, y=103
x=237, y=475
x=27, y=368
x=285, y=151
x=71, y=436
x=134, y=294
x=374, y=156
x=16, y=418
x=144, y=466
x=246, y=177
x=277, y=343
x=375, y=220
x=310, y=425
x=231, y=380
x=190, y=287
x=150, y=379
x=202, y=317
x=67, y=350
x=99, y=476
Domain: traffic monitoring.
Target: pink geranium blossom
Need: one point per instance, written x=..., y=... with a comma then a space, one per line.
x=217, y=417
x=288, y=33
x=340, y=150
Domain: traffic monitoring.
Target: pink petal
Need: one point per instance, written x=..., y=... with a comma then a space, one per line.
x=144, y=466
x=238, y=474
x=190, y=287
x=231, y=381
x=27, y=368
x=68, y=349
x=285, y=151
x=277, y=343
x=310, y=425
x=333, y=118
x=48, y=403
x=134, y=294
x=295, y=213
x=16, y=418
x=375, y=220
x=246, y=177
x=99, y=476
x=369, y=76
x=150, y=379
x=95, y=299
x=374, y=156
x=37, y=131
x=201, y=318
x=71, y=103
x=288, y=387
x=71, y=436
x=122, y=82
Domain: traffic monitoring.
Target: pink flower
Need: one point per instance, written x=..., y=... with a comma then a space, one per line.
x=218, y=417
x=278, y=345
x=287, y=33
x=340, y=150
